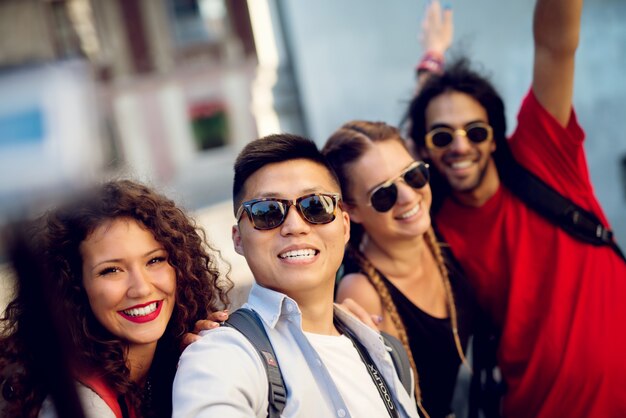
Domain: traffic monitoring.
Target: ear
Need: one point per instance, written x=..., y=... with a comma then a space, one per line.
x=237, y=241
x=346, y=226
x=493, y=146
x=353, y=212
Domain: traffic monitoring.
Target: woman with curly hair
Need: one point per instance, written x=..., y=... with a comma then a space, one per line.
x=394, y=266
x=135, y=274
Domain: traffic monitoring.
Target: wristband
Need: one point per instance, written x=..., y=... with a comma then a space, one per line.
x=432, y=61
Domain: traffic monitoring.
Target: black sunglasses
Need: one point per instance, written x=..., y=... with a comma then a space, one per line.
x=443, y=136
x=384, y=196
x=270, y=213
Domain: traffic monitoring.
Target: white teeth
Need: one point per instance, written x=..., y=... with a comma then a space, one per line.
x=146, y=310
x=461, y=164
x=411, y=212
x=301, y=254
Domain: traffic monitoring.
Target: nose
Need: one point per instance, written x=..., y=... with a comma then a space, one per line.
x=405, y=192
x=138, y=283
x=460, y=142
x=294, y=223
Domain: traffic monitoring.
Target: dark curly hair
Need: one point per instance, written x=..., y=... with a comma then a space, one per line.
x=459, y=77
x=199, y=291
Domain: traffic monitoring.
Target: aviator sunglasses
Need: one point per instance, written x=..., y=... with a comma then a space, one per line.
x=384, y=196
x=270, y=213
x=443, y=136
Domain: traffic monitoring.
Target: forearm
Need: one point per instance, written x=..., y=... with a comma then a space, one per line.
x=436, y=36
x=556, y=28
x=556, y=25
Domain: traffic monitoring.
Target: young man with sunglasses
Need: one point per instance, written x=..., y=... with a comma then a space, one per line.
x=556, y=299
x=292, y=231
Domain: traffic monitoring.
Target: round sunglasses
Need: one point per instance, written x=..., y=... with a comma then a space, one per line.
x=270, y=212
x=383, y=197
x=443, y=136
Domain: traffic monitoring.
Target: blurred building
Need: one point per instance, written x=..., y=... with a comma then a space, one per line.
x=166, y=91
x=159, y=90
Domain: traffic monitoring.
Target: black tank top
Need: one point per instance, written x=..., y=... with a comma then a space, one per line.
x=431, y=339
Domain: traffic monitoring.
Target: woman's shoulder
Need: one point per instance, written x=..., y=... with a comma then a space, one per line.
x=93, y=405
x=358, y=287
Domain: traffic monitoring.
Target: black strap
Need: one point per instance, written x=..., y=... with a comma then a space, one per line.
x=576, y=221
x=121, y=400
x=372, y=369
x=400, y=360
x=487, y=388
x=249, y=324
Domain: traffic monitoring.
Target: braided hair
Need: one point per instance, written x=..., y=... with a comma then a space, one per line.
x=344, y=147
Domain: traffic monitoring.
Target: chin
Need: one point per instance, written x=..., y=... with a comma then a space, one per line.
x=417, y=229
x=465, y=186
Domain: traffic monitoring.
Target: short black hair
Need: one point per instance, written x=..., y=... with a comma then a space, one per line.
x=273, y=149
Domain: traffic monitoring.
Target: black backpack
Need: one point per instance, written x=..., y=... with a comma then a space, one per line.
x=249, y=324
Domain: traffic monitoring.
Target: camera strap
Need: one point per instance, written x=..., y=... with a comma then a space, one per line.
x=372, y=369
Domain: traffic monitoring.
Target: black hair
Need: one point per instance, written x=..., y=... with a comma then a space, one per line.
x=459, y=77
x=273, y=149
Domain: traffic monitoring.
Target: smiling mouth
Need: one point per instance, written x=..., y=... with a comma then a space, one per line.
x=298, y=254
x=460, y=165
x=143, y=311
x=410, y=212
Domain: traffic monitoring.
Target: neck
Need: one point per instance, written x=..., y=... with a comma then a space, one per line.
x=486, y=188
x=139, y=360
x=317, y=312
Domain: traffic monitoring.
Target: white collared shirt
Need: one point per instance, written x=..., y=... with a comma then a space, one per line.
x=222, y=375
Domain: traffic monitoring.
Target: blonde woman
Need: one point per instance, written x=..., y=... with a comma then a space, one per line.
x=394, y=266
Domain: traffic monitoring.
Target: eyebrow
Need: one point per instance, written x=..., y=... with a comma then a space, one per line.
x=118, y=260
x=301, y=193
x=445, y=125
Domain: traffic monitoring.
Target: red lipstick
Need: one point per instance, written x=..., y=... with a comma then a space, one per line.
x=140, y=319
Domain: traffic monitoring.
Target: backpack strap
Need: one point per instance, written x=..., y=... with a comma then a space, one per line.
x=249, y=324
x=576, y=221
x=400, y=360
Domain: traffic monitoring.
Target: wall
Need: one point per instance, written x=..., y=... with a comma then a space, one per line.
x=354, y=59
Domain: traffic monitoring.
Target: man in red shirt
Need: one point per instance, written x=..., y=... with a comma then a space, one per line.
x=556, y=299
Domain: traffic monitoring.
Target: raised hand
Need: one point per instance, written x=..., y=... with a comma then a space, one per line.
x=437, y=28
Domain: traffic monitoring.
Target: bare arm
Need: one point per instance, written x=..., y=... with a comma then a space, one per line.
x=357, y=287
x=556, y=29
x=436, y=34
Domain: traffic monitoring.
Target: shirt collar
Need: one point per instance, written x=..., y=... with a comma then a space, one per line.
x=271, y=305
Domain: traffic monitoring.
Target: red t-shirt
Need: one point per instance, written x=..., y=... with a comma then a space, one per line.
x=561, y=303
